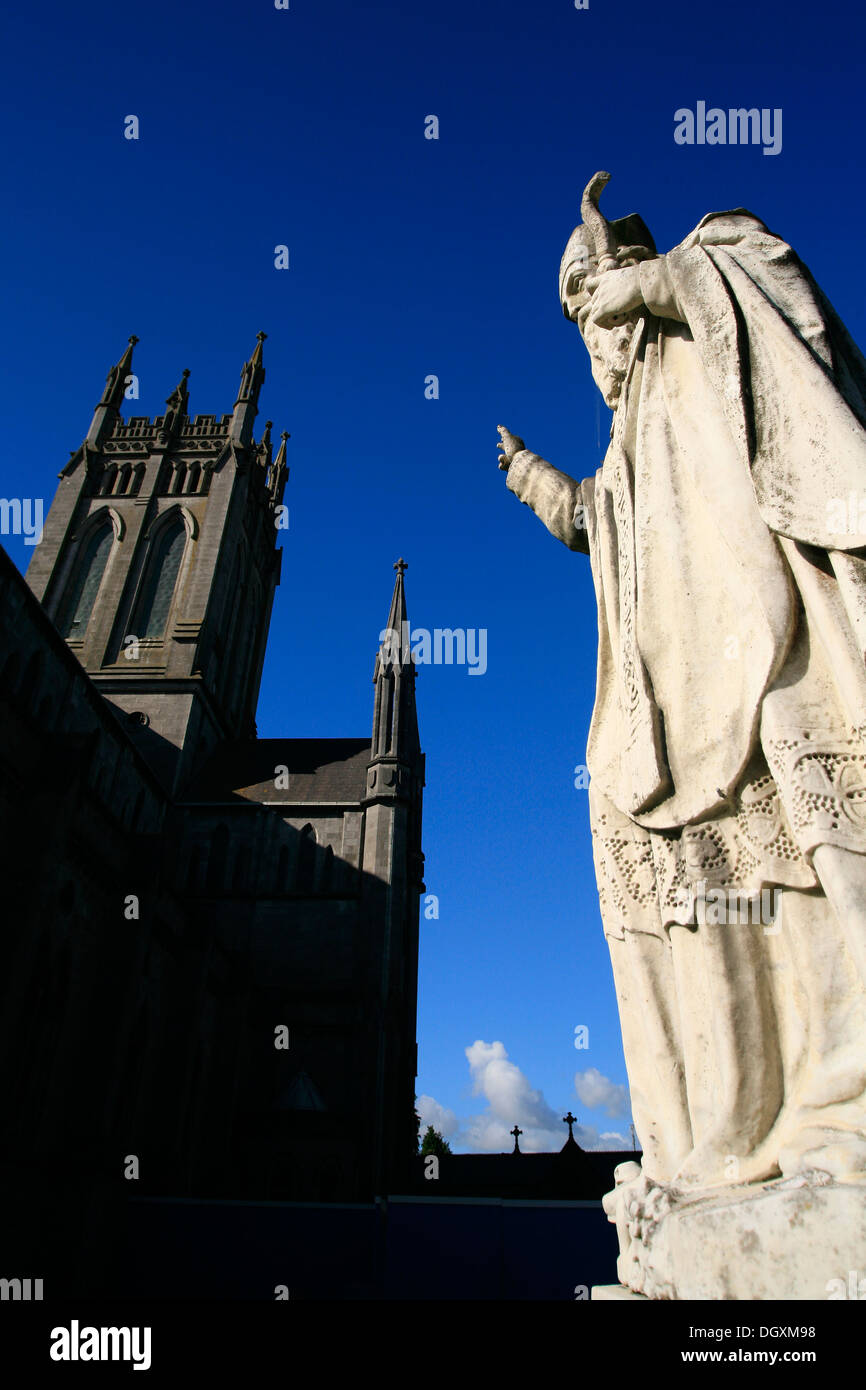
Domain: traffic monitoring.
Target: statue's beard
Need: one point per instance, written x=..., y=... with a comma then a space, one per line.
x=608, y=350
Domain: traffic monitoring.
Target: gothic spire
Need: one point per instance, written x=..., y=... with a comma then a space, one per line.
x=265, y=447
x=247, y=403
x=111, y=400
x=395, y=723
x=397, y=629
x=256, y=358
x=115, y=383
x=279, y=471
x=176, y=405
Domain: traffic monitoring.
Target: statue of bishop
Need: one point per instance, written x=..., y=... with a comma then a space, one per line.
x=726, y=531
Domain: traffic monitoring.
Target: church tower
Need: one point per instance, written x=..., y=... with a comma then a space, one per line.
x=159, y=561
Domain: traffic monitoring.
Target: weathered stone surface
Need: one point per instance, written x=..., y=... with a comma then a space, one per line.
x=796, y=1238
x=727, y=749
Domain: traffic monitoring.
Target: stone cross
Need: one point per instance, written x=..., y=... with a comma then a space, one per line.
x=570, y=1120
x=516, y=1131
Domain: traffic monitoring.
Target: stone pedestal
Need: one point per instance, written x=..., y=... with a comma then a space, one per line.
x=795, y=1238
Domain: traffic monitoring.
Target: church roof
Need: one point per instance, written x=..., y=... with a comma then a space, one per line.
x=321, y=771
x=571, y=1174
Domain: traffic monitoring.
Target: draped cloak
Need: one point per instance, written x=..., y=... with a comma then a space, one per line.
x=718, y=531
x=728, y=740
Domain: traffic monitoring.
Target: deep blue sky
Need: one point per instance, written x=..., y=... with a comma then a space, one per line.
x=408, y=257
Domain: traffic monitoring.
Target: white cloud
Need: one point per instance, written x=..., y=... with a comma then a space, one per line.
x=590, y=1139
x=596, y=1092
x=510, y=1101
x=444, y=1121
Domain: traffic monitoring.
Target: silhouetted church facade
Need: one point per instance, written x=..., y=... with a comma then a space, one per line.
x=211, y=940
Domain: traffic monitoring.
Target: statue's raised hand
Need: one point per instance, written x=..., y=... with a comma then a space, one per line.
x=614, y=296
x=510, y=444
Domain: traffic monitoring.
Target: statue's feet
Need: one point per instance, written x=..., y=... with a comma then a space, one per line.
x=833, y=1151
x=712, y=1164
x=839, y=1078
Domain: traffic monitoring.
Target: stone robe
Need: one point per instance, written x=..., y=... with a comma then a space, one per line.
x=727, y=749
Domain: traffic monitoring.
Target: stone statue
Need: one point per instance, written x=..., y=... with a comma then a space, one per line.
x=727, y=751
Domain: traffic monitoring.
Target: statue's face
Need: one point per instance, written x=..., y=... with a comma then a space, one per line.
x=574, y=292
x=608, y=350
x=607, y=347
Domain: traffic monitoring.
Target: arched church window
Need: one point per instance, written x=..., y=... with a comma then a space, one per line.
x=237, y=598
x=389, y=718
x=151, y=614
x=86, y=581
x=246, y=646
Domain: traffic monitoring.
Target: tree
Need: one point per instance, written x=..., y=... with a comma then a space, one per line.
x=433, y=1143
